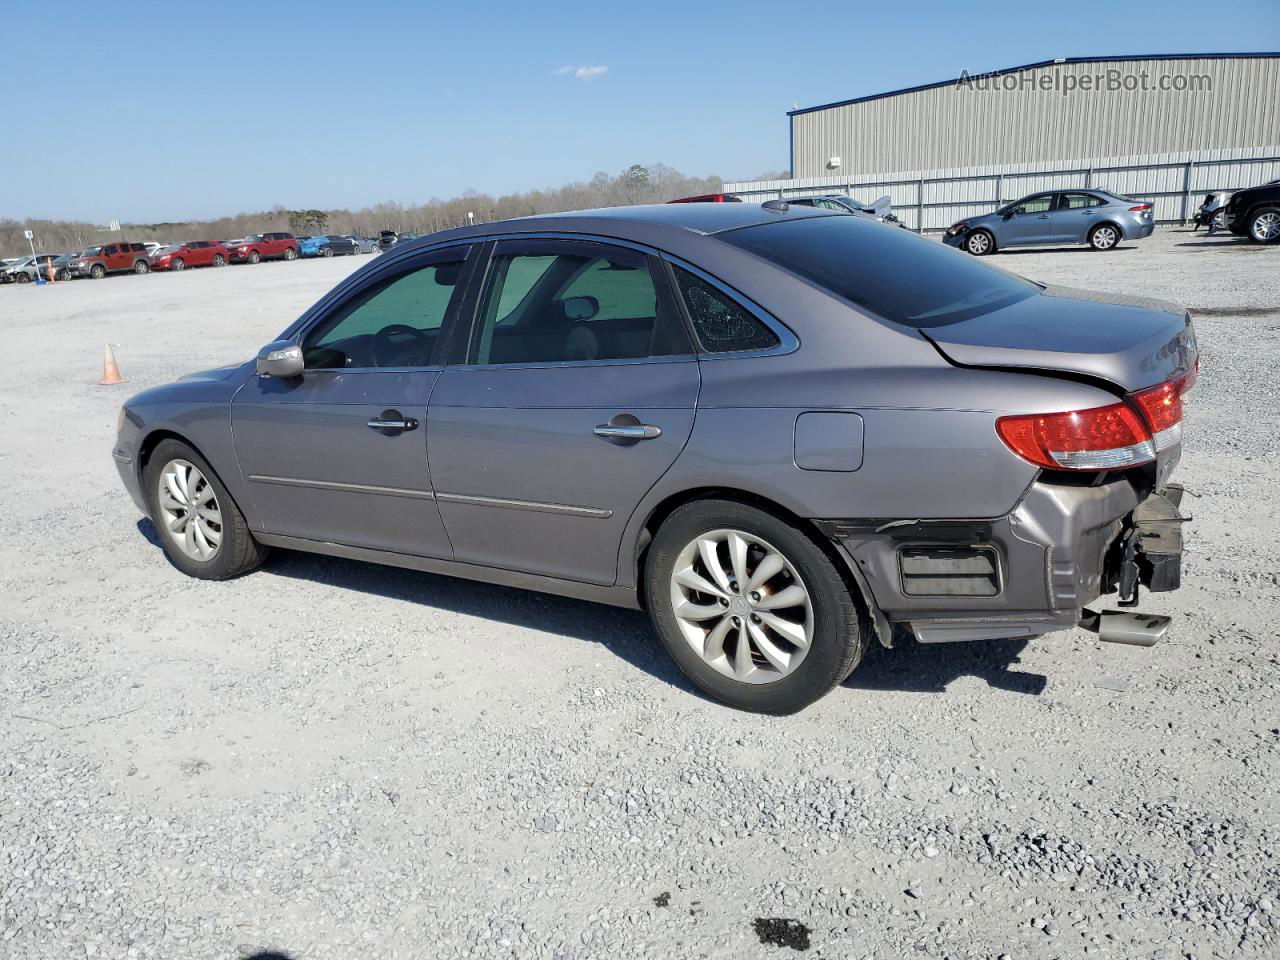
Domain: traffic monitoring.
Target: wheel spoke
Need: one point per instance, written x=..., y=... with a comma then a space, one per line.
x=690, y=578
x=788, y=597
x=696, y=611
x=766, y=570
x=176, y=523
x=168, y=501
x=707, y=549
x=171, y=481
x=780, y=661
x=793, y=632
x=189, y=538
x=205, y=493
x=198, y=538
x=212, y=537
x=738, y=558
x=713, y=646
x=210, y=513
x=742, y=663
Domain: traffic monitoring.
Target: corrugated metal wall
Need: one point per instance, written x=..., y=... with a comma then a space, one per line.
x=935, y=199
x=949, y=126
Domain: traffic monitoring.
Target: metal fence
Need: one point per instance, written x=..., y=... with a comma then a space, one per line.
x=935, y=200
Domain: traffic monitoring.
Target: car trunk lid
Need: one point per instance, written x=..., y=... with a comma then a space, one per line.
x=1131, y=342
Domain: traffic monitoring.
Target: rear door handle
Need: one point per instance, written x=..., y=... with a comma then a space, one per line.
x=392, y=420
x=632, y=432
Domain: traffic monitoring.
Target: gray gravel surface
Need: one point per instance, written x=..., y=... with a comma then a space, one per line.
x=337, y=760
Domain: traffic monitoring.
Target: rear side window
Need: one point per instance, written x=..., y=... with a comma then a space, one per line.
x=891, y=273
x=722, y=325
x=1079, y=201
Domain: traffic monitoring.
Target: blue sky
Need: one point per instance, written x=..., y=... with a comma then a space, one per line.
x=156, y=113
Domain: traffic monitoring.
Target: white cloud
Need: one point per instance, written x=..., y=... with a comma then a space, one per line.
x=582, y=73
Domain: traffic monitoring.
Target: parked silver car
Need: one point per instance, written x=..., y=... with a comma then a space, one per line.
x=752, y=421
x=1094, y=217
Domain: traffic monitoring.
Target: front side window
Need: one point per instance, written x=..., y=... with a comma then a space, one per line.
x=1034, y=205
x=891, y=273
x=721, y=324
x=562, y=302
x=393, y=323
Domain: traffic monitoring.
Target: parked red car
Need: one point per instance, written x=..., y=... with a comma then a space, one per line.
x=264, y=246
x=197, y=253
x=709, y=198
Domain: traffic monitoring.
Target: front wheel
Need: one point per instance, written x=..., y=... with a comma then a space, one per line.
x=202, y=531
x=327, y=252
x=179, y=264
x=23, y=278
x=979, y=243
x=255, y=256
x=1104, y=237
x=291, y=254
x=750, y=607
x=98, y=272
x=1264, y=225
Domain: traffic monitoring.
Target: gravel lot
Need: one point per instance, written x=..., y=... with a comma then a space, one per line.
x=335, y=760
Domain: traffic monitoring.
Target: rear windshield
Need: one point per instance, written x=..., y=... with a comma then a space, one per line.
x=890, y=272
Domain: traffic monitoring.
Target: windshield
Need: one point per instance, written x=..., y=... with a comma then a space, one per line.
x=91, y=251
x=892, y=273
x=172, y=248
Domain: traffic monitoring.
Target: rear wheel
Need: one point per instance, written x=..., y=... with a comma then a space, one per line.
x=98, y=271
x=291, y=254
x=141, y=266
x=202, y=531
x=750, y=607
x=1264, y=225
x=980, y=243
x=179, y=264
x=219, y=260
x=1104, y=237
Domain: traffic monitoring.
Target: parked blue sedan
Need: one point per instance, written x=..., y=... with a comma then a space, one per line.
x=326, y=246
x=1096, y=217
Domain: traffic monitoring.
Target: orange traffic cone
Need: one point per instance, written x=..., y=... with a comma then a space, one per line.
x=110, y=372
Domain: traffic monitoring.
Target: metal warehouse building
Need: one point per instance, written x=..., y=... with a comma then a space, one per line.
x=1164, y=128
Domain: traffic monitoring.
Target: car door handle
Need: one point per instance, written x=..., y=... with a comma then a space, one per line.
x=1044, y=216
x=392, y=420
x=639, y=431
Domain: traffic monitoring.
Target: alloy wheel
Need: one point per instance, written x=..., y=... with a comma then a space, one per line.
x=978, y=243
x=1266, y=227
x=742, y=606
x=179, y=264
x=1104, y=238
x=189, y=510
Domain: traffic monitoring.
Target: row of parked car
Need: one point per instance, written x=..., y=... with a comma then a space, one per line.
x=98, y=261
x=1098, y=218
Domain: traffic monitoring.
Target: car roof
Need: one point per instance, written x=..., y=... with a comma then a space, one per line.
x=639, y=223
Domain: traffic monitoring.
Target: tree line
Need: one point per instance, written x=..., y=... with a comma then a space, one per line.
x=656, y=183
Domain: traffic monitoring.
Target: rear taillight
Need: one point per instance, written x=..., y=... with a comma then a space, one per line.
x=1102, y=438
x=1162, y=407
x=1141, y=208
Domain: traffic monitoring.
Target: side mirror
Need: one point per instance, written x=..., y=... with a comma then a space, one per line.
x=280, y=360
x=1008, y=213
x=580, y=308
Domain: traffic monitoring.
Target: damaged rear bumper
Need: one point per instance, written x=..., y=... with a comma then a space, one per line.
x=1027, y=573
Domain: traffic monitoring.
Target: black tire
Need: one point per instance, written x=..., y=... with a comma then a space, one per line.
x=141, y=266
x=290, y=253
x=1105, y=236
x=219, y=260
x=23, y=278
x=839, y=635
x=255, y=256
x=179, y=264
x=1255, y=229
x=980, y=243
x=237, y=554
x=97, y=271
